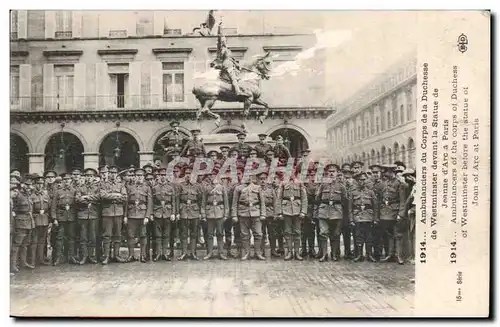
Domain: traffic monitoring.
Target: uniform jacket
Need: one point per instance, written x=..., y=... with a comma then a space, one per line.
x=173, y=139
x=191, y=201
x=363, y=206
x=193, y=148
x=391, y=194
x=87, y=197
x=113, y=198
x=243, y=149
x=291, y=199
x=331, y=201
x=248, y=202
x=216, y=201
x=311, y=189
x=23, y=209
x=165, y=200
x=41, y=207
x=281, y=151
x=63, y=204
x=139, y=201
x=269, y=193
x=410, y=201
x=262, y=149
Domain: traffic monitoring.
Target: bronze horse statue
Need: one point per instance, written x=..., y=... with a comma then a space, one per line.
x=209, y=91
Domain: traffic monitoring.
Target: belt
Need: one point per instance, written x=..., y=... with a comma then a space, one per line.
x=248, y=203
x=188, y=201
x=291, y=198
x=363, y=207
x=22, y=212
x=388, y=203
x=136, y=203
x=330, y=202
x=214, y=203
x=65, y=206
x=162, y=203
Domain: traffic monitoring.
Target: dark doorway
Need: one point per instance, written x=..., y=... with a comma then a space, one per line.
x=19, y=154
x=293, y=140
x=119, y=149
x=63, y=153
x=120, y=90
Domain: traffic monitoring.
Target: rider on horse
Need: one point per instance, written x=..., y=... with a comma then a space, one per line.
x=226, y=63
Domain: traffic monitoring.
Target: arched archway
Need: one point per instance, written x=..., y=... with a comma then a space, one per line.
x=378, y=158
x=383, y=155
x=159, y=150
x=364, y=159
x=411, y=152
x=19, y=154
x=119, y=149
x=397, y=155
x=294, y=140
x=63, y=153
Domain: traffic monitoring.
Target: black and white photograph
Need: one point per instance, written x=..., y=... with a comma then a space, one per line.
x=221, y=163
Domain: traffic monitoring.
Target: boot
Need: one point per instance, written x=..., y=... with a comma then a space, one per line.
x=288, y=251
x=399, y=251
x=210, y=248
x=32, y=254
x=389, y=254
x=281, y=249
x=13, y=259
x=192, y=248
x=105, y=251
x=71, y=251
x=303, y=252
x=245, y=255
x=41, y=256
x=157, y=251
x=56, y=255
x=116, y=250
x=22, y=256
x=220, y=248
x=142, y=248
x=323, y=250
x=312, y=251
x=335, y=249
x=165, y=256
x=131, y=250
x=184, y=246
x=359, y=251
x=92, y=255
x=297, y=251
x=85, y=255
x=369, y=254
x=258, y=246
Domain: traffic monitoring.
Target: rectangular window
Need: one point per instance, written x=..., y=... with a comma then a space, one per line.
x=13, y=24
x=64, y=24
x=173, y=81
x=14, y=85
x=64, y=86
x=378, y=124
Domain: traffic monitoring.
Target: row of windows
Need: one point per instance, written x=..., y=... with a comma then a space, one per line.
x=360, y=127
x=63, y=84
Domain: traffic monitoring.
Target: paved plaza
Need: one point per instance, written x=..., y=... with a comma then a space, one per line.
x=216, y=288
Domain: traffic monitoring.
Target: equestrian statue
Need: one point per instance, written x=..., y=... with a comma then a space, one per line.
x=235, y=83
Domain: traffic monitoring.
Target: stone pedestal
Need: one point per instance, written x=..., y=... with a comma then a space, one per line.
x=36, y=163
x=91, y=160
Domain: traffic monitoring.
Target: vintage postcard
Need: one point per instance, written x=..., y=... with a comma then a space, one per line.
x=251, y=163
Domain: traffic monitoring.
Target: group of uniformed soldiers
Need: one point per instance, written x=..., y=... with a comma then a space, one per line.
x=83, y=217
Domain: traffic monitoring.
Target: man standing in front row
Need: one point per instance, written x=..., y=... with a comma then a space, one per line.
x=137, y=213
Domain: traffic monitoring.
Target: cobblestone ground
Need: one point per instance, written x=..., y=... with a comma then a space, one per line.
x=215, y=288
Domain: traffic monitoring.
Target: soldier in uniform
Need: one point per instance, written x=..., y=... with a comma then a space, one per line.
x=269, y=193
x=363, y=214
x=50, y=185
x=113, y=200
x=280, y=150
x=191, y=209
x=263, y=146
x=410, y=208
x=165, y=209
x=216, y=212
x=150, y=228
x=347, y=229
x=252, y=154
x=309, y=223
x=269, y=157
x=213, y=155
x=195, y=146
x=137, y=213
x=249, y=209
x=242, y=147
x=22, y=211
x=330, y=207
x=175, y=225
x=392, y=213
x=41, y=208
x=173, y=140
x=224, y=152
x=291, y=204
x=87, y=200
x=357, y=167
x=63, y=213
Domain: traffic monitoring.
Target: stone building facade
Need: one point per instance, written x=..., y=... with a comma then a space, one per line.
x=91, y=88
x=378, y=123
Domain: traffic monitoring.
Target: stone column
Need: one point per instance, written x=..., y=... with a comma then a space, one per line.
x=36, y=163
x=145, y=157
x=91, y=160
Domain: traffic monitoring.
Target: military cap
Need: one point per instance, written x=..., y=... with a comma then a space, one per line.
x=16, y=173
x=334, y=166
x=346, y=166
x=39, y=179
x=253, y=151
x=195, y=131
x=389, y=167
x=262, y=135
x=374, y=166
x=58, y=179
x=279, y=137
x=158, y=164
x=66, y=176
x=28, y=179
x=361, y=175
x=409, y=171
x=357, y=163
x=162, y=170
x=76, y=171
x=113, y=169
x=147, y=165
x=47, y=172
x=241, y=134
x=14, y=179
x=400, y=166
x=211, y=152
x=149, y=176
x=347, y=172
x=90, y=171
x=139, y=170
x=270, y=151
x=224, y=147
x=263, y=173
x=174, y=123
x=103, y=169
x=235, y=150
